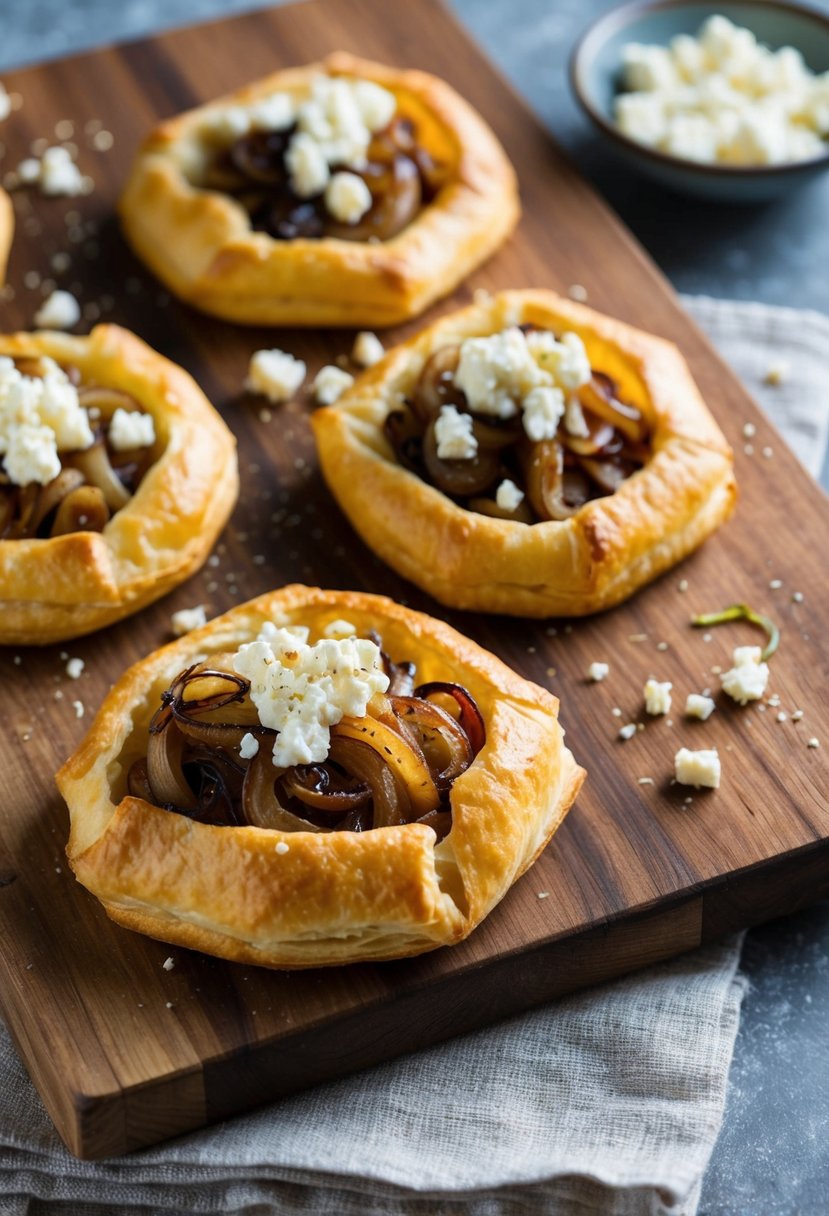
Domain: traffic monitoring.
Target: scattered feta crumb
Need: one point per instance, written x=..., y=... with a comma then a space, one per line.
x=275, y=374
x=339, y=629
x=747, y=679
x=58, y=175
x=60, y=311
x=627, y=732
x=776, y=584
x=797, y=714
x=776, y=373
x=617, y=713
x=168, y=964
x=454, y=435
x=598, y=671
x=367, y=349
x=768, y=453
x=697, y=768
x=188, y=618
x=782, y=716
x=813, y=742
x=543, y=895
x=797, y=597
x=661, y=645
x=74, y=668
x=281, y=848
x=508, y=496
x=249, y=746
x=749, y=430
x=645, y=780
x=577, y=292
x=78, y=707
x=657, y=697
x=330, y=384
x=682, y=585
x=697, y=706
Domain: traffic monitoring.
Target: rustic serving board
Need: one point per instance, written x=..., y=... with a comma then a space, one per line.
x=125, y=1053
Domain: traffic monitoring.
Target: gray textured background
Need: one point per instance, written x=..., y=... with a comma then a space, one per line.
x=772, y=1157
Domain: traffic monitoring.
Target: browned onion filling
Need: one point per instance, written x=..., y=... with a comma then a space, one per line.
x=92, y=484
x=557, y=476
x=395, y=765
x=401, y=176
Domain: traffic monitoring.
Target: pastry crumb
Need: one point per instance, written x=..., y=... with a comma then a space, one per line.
x=330, y=383
x=627, y=732
x=281, y=847
x=776, y=584
x=578, y=292
x=797, y=597
x=813, y=742
x=367, y=349
x=776, y=372
x=645, y=781
x=187, y=619
x=797, y=714
x=662, y=646
x=637, y=637
x=78, y=707
x=74, y=668
x=682, y=585
x=768, y=453
x=749, y=430
x=543, y=894
x=598, y=671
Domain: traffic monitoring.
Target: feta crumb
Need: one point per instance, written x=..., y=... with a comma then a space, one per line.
x=576, y=292
x=131, y=429
x=598, y=671
x=367, y=349
x=697, y=768
x=657, y=697
x=768, y=453
x=682, y=584
x=306, y=163
x=575, y=423
x=74, y=668
x=59, y=175
x=543, y=895
x=813, y=742
x=339, y=629
x=168, y=964
x=275, y=374
x=645, y=781
x=543, y=409
x=281, y=848
x=454, y=436
x=697, y=706
x=627, y=732
x=347, y=197
x=747, y=679
x=776, y=584
x=60, y=311
x=508, y=496
x=330, y=384
x=301, y=690
x=776, y=373
x=662, y=646
x=617, y=713
x=249, y=746
x=78, y=707
x=797, y=597
x=782, y=716
x=797, y=714
x=187, y=619
x=749, y=430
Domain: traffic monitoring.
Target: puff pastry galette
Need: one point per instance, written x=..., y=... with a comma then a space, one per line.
x=341, y=193
x=528, y=456
x=316, y=777
x=117, y=475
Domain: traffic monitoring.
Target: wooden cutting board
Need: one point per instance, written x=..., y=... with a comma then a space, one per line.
x=126, y=1053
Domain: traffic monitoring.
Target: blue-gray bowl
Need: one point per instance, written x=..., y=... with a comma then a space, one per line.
x=595, y=79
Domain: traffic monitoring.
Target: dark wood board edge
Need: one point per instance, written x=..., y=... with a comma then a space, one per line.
x=105, y=1125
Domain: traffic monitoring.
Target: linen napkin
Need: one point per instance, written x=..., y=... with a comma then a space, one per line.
x=607, y=1102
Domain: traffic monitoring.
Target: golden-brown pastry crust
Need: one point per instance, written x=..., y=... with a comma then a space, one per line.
x=333, y=897
x=69, y=585
x=6, y=231
x=200, y=242
x=595, y=559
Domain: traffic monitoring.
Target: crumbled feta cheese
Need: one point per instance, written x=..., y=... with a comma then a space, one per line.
x=453, y=434
x=376, y=104
x=564, y=358
x=627, y=732
x=723, y=97
x=697, y=706
x=543, y=408
x=168, y=964
x=749, y=430
x=813, y=742
x=368, y=349
x=78, y=707
x=339, y=629
x=657, y=697
x=282, y=848
x=797, y=714
x=39, y=417
x=187, y=619
x=301, y=691
x=59, y=175
x=274, y=113
x=249, y=746
x=74, y=668
x=131, y=429
x=330, y=384
x=307, y=166
x=697, y=768
x=60, y=311
x=347, y=197
x=508, y=496
x=496, y=372
x=575, y=423
x=275, y=374
x=599, y=671
x=226, y=124
x=747, y=679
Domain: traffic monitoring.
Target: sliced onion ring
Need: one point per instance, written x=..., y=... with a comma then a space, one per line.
x=598, y=396
x=471, y=718
x=409, y=768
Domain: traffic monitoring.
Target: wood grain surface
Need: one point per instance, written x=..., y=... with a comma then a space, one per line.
x=126, y=1053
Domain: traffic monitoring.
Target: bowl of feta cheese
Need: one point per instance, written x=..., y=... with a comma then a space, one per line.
x=725, y=101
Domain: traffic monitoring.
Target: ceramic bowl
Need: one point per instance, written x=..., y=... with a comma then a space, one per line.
x=595, y=77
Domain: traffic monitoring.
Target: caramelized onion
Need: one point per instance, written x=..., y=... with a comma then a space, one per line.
x=522, y=514
x=105, y=400
x=97, y=471
x=260, y=803
x=82, y=510
x=138, y=782
x=396, y=194
x=598, y=396
x=599, y=435
x=324, y=790
x=390, y=798
x=459, y=478
x=444, y=742
x=165, y=756
x=470, y=716
x=398, y=754
x=609, y=475
x=436, y=385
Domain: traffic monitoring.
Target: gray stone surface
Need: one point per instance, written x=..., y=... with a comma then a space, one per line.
x=771, y=1158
